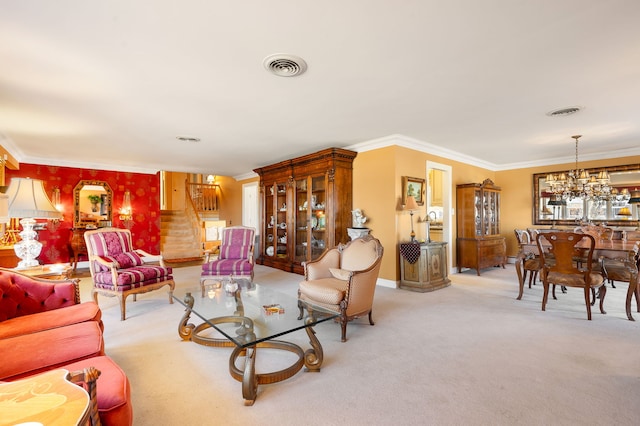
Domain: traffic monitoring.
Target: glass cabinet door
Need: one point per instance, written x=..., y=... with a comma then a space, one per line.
x=310, y=226
x=318, y=222
x=276, y=220
x=302, y=211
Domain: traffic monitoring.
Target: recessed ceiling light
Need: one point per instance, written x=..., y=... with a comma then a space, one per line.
x=187, y=139
x=285, y=65
x=564, y=111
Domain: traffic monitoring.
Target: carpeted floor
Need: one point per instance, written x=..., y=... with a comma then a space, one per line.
x=467, y=354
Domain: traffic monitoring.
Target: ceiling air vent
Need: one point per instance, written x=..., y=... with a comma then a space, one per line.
x=564, y=111
x=285, y=65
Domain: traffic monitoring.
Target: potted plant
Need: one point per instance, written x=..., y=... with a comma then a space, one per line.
x=95, y=200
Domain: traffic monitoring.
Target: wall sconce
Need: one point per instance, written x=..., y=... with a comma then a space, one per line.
x=54, y=224
x=211, y=179
x=126, y=214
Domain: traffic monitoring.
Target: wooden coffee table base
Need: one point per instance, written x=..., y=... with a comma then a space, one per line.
x=311, y=358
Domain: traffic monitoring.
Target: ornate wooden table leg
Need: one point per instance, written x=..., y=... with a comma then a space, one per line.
x=185, y=329
x=633, y=284
x=313, y=357
x=249, y=377
x=519, y=262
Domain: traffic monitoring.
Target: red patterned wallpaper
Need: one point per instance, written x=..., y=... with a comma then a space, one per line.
x=145, y=203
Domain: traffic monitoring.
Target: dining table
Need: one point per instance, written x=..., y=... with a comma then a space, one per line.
x=624, y=253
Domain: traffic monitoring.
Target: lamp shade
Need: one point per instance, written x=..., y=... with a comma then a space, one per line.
x=625, y=211
x=635, y=197
x=411, y=203
x=28, y=199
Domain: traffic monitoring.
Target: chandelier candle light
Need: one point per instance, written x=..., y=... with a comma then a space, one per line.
x=29, y=201
x=577, y=183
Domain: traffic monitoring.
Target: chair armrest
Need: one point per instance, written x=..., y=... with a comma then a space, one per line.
x=148, y=257
x=319, y=268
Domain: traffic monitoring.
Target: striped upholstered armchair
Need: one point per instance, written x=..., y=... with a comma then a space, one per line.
x=235, y=257
x=117, y=269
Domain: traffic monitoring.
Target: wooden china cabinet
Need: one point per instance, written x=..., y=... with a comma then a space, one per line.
x=479, y=243
x=305, y=207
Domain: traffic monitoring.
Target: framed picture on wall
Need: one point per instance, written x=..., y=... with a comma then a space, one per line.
x=413, y=186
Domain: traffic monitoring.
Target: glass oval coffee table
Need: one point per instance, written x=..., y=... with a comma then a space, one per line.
x=250, y=318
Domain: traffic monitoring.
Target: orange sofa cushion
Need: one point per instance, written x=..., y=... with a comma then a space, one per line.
x=36, y=352
x=112, y=389
x=88, y=311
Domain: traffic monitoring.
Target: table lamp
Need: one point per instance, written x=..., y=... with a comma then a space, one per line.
x=411, y=206
x=29, y=201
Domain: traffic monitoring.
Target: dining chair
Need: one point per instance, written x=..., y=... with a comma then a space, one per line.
x=563, y=270
x=531, y=263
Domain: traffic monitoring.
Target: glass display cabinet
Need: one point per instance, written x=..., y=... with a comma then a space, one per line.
x=305, y=207
x=479, y=244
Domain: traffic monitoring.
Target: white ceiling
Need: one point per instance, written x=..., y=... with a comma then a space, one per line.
x=110, y=84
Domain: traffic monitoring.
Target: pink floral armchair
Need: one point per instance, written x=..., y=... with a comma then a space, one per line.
x=235, y=257
x=117, y=269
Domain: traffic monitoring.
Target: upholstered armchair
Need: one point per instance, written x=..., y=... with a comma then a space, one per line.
x=343, y=280
x=235, y=256
x=119, y=270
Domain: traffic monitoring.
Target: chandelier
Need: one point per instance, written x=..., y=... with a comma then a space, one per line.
x=578, y=183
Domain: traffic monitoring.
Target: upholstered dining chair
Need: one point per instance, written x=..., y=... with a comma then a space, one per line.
x=119, y=270
x=531, y=262
x=343, y=279
x=235, y=256
x=563, y=270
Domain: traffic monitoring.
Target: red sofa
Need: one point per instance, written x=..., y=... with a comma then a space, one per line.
x=44, y=326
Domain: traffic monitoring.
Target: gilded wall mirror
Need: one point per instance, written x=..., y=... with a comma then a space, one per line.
x=92, y=204
x=551, y=209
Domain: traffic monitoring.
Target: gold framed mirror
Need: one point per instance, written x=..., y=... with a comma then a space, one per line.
x=92, y=200
x=550, y=210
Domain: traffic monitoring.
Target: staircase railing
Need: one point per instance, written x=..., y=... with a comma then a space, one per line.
x=204, y=197
x=192, y=214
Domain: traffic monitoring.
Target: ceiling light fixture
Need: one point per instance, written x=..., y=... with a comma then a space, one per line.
x=285, y=65
x=187, y=139
x=564, y=111
x=578, y=183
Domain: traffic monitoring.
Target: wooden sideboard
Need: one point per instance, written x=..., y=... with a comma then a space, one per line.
x=8, y=258
x=77, y=246
x=428, y=272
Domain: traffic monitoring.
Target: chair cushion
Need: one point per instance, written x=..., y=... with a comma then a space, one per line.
x=236, y=243
x=113, y=390
x=109, y=244
x=133, y=277
x=575, y=280
x=326, y=290
x=359, y=255
x=227, y=267
x=124, y=260
x=341, y=274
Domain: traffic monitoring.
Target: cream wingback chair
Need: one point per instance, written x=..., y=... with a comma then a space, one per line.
x=343, y=280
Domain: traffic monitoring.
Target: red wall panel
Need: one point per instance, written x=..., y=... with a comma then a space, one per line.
x=145, y=203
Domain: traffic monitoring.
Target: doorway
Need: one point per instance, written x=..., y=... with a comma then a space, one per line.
x=438, y=202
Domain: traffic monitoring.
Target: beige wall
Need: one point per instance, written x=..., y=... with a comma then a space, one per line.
x=377, y=190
